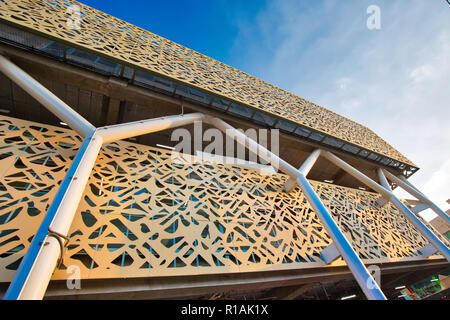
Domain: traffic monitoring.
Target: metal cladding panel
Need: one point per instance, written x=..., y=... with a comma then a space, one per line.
x=146, y=212
x=109, y=37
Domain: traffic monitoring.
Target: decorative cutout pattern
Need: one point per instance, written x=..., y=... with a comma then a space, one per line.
x=143, y=214
x=115, y=39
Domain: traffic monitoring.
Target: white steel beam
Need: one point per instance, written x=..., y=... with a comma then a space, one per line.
x=329, y=254
x=381, y=201
x=46, y=98
x=304, y=169
x=404, y=179
x=250, y=144
x=365, y=280
x=407, y=186
x=383, y=180
x=427, y=250
x=357, y=174
x=34, y=273
x=393, y=199
x=36, y=268
x=420, y=207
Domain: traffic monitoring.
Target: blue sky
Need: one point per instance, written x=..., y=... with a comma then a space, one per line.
x=393, y=80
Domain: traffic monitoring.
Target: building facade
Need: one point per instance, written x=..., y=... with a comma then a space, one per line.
x=92, y=187
x=441, y=225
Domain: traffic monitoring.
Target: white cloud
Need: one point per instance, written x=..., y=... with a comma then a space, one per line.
x=393, y=80
x=343, y=83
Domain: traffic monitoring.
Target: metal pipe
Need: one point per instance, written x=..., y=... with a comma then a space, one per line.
x=46, y=98
x=420, y=207
x=137, y=128
x=309, y=162
x=362, y=275
x=357, y=174
x=365, y=280
x=404, y=179
x=250, y=144
x=416, y=193
x=383, y=180
x=304, y=169
x=434, y=240
x=394, y=200
x=34, y=273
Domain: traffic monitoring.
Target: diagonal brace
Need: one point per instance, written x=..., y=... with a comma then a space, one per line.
x=360, y=272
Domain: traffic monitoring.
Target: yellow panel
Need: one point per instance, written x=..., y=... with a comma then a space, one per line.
x=145, y=214
x=118, y=40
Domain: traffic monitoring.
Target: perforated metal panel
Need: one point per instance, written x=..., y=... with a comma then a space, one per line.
x=117, y=40
x=145, y=213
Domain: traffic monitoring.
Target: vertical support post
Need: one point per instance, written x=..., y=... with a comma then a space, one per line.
x=381, y=201
x=383, y=181
x=309, y=162
x=304, y=169
x=407, y=186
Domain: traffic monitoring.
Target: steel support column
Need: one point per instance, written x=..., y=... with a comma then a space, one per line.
x=38, y=264
x=137, y=128
x=434, y=240
x=407, y=186
x=36, y=269
x=362, y=275
x=304, y=169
